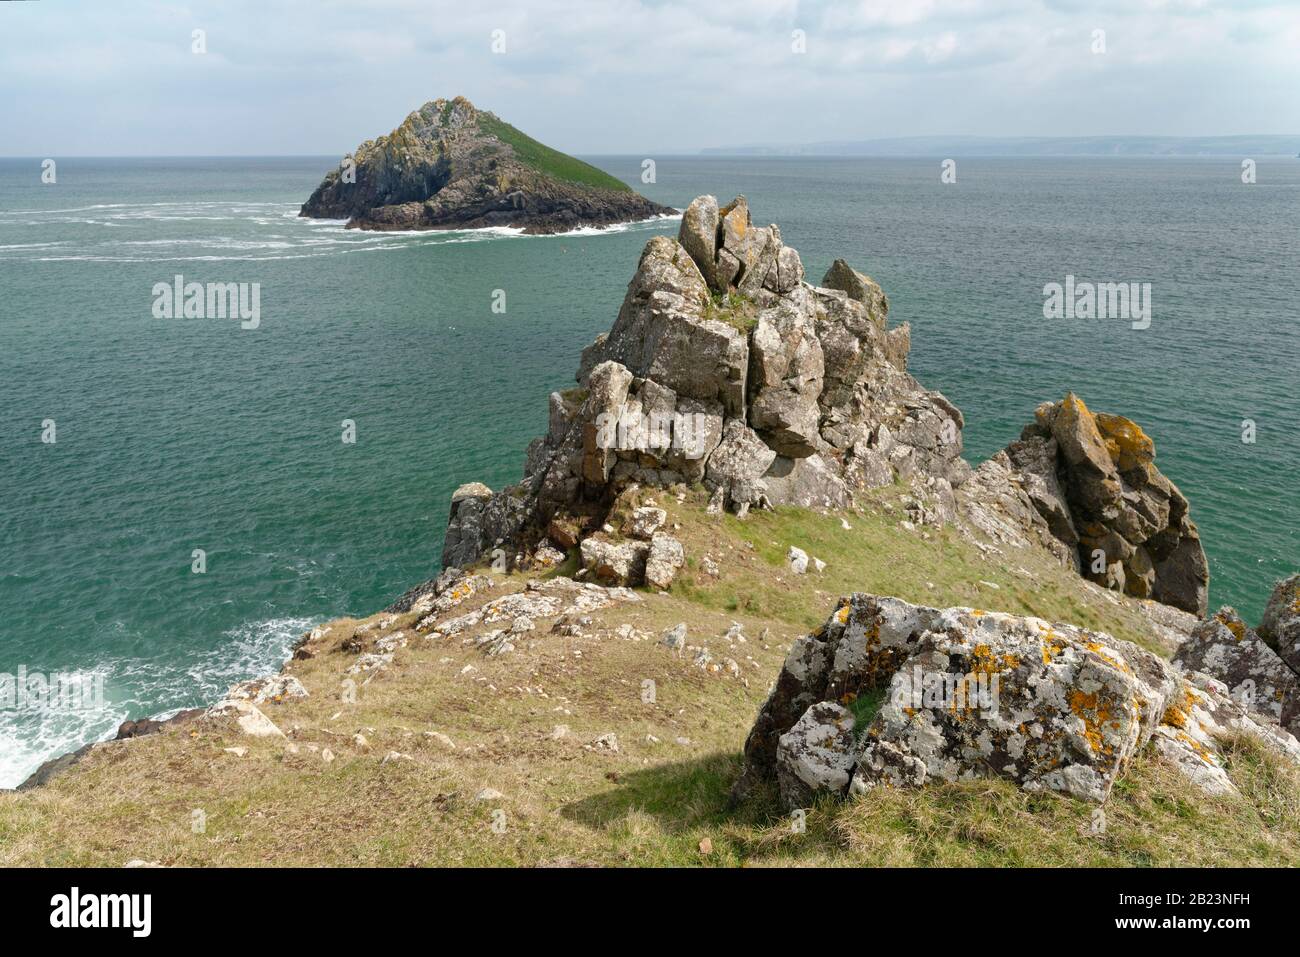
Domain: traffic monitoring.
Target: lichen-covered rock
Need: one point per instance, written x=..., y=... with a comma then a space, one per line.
x=817, y=755
x=1280, y=626
x=970, y=694
x=269, y=688
x=1256, y=676
x=645, y=521
x=615, y=563
x=663, y=561
x=1111, y=514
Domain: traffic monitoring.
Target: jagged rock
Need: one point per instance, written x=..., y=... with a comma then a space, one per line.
x=451, y=166
x=859, y=287
x=615, y=563
x=1200, y=720
x=788, y=272
x=699, y=235
x=662, y=334
x=1225, y=648
x=664, y=560
x=462, y=542
x=547, y=555
x=984, y=694
x=725, y=367
x=817, y=755
x=739, y=462
x=785, y=381
x=1280, y=626
x=645, y=521
x=1111, y=514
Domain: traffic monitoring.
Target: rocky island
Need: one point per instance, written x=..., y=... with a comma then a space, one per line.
x=451, y=166
x=747, y=573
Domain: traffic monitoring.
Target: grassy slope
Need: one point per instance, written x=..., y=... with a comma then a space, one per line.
x=651, y=803
x=546, y=160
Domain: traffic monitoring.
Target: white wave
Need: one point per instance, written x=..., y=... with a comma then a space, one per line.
x=29, y=737
x=136, y=688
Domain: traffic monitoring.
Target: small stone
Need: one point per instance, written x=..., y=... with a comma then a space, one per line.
x=706, y=846
x=240, y=752
x=441, y=738
x=675, y=637
x=396, y=756
x=798, y=560
x=606, y=742
x=360, y=741
x=327, y=755
x=489, y=794
x=559, y=731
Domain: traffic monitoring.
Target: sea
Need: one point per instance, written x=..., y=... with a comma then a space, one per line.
x=178, y=498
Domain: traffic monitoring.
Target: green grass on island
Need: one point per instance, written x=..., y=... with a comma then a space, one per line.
x=542, y=158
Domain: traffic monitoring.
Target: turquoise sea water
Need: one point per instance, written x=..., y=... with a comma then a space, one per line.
x=175, y=435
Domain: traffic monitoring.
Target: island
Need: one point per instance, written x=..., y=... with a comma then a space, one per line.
x=452, y=166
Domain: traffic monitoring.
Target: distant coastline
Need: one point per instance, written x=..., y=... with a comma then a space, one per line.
x=1029, y=146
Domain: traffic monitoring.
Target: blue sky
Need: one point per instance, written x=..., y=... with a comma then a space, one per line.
x=118, y=77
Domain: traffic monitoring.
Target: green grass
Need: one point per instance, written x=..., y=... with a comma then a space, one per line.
x=733, y=308
x=542, y=158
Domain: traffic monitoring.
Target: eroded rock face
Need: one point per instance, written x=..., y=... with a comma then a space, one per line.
x=1108, y=511
x=724, y=367
x=1256, y=676
x=1280, y=626
x=968, y=694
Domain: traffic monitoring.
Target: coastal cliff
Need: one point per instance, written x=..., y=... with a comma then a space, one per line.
x=452, y=166
x=748, y=568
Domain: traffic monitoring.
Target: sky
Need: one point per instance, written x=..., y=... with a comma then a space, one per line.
x=316, y=77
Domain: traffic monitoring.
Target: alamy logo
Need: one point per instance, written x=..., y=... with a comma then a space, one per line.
x=213, y=300
x=103, y=910
x=35, y=691
x=1103, y=300
x=955, y=693
x=629, y=431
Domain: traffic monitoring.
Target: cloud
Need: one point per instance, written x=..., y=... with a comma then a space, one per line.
x=638, y=75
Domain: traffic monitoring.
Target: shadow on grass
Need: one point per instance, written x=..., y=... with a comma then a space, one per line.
x=691, y=799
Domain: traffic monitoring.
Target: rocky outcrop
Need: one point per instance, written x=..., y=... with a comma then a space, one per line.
x=963, y=693
x=1280, y=626
x=1256, y=675
x=1098, y=502
x=451, y=166
x=723, y=367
